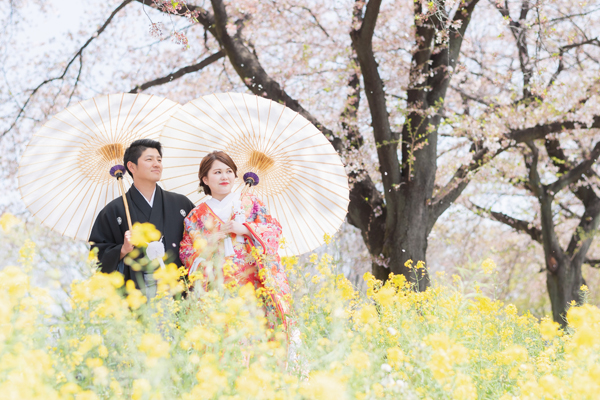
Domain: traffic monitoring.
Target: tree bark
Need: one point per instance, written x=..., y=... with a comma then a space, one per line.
x=564, y=287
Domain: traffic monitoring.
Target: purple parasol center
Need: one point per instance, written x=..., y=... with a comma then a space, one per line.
x=117, y=170
x=251, y=179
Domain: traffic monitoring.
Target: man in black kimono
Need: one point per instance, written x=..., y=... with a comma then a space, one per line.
x=147, y=203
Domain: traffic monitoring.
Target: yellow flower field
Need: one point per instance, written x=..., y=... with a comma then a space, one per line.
x=393, y=342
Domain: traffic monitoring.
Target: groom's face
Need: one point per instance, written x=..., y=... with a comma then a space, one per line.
x=149, y=166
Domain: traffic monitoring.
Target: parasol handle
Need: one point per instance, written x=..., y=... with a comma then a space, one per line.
x=117, y=171
x=122, y=188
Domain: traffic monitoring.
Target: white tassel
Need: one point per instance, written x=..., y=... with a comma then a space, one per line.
x=239, y=216
x=156, y=250
x=228, y=247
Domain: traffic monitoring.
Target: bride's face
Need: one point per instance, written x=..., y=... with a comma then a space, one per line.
x=219, y=179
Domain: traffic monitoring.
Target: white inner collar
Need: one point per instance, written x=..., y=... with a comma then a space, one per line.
x=151, y=201
x=223, y=208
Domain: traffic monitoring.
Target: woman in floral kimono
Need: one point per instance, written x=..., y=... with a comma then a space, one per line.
x=233, y=238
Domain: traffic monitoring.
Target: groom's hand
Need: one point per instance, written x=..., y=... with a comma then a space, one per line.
x=127, y=245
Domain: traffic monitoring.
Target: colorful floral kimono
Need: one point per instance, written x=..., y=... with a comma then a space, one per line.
x=253, y=259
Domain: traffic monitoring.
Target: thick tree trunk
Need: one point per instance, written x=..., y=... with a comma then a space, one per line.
x=408, y=239
x=380, y=271
x=564, y=286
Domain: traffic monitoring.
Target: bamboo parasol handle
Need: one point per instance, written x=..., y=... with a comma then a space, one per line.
x=120, y=179
x=117, y=171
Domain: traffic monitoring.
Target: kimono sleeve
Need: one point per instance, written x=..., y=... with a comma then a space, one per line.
x=186, y=247
x=192, y=230
x=103, y=238
x=266, y=230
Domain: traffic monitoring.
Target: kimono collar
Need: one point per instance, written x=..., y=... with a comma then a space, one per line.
x=224, y=208
x=151, y=201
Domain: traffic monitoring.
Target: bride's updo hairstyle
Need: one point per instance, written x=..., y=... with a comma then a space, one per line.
x=206, y=165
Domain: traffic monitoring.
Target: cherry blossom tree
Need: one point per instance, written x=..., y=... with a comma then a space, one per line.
x=553, y=170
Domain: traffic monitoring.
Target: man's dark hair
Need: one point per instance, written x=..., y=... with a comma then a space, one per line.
x=135, y=150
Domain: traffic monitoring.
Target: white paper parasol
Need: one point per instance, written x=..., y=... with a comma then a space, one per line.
x=302, y=179
x=64, y=173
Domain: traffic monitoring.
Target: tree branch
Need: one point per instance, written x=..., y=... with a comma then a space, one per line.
x=541, y=131
x=66, y=69
x=562, y=50
x=515, y=223
x=584, y=193
x=445, y=60
x=387, y=145
x=576, y=173
x=520, y=36
x=592, y=263
x=586, y=230
x=204, y=17
x=366, y=210
x=250, y=70
x=470, y=97
x=459, y=181
x=180, y=72
x=531, y=162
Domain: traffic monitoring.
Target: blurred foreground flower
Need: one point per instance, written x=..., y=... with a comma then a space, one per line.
x=144, y=233
x=8, y=221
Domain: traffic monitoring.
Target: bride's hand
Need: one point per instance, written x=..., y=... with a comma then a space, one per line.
x=220, y=235
x=234, y=227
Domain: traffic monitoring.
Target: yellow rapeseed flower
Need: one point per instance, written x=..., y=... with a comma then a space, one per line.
x=87, y=395
x=385, y=296
x=144, y=233
x=255, y=382
x=14, y=281
x=368, y=315
x=378, y=389
x=396, y=357
x=69, y=388
x=154, y=346
x=140, y=388
x=135, y=299
x=464, y=389
x=548, y=329
x=513, y=354
x=358, y=360
x=488, y=266
x=323, y=386
x=446, y=353
x=7, y=221
x=168, y=279
x=116, y=387
x=26, y=253
x=586, y=314
x=211, y=380
x=344, y=287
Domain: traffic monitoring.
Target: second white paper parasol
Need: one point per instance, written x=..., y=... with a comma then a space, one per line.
x=302, y=179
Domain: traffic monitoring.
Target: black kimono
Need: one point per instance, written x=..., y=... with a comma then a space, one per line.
x=167, y=214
